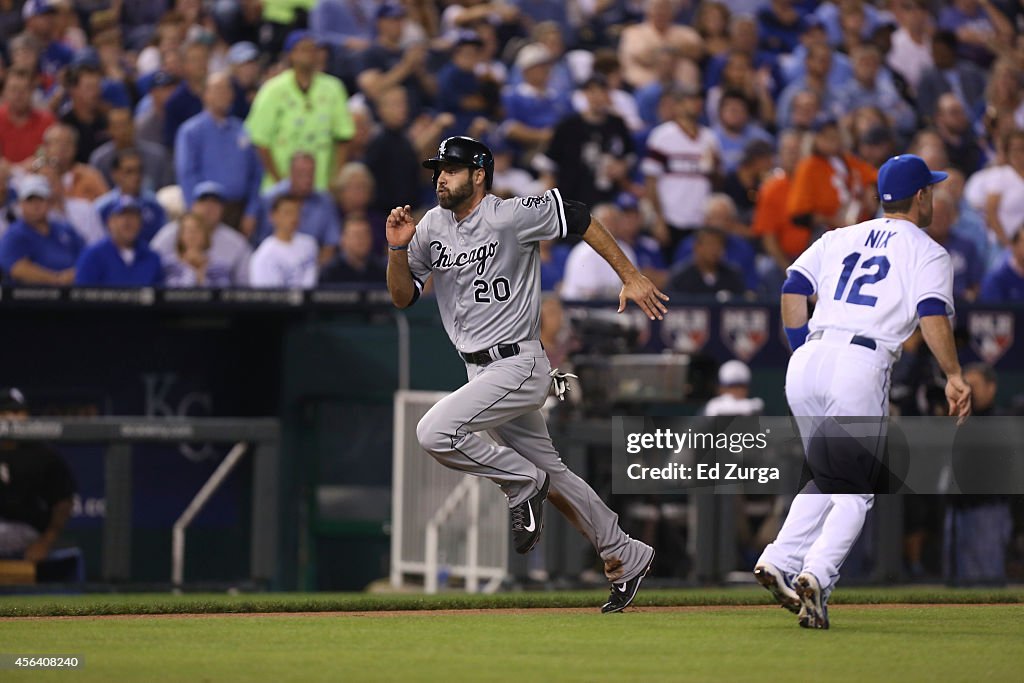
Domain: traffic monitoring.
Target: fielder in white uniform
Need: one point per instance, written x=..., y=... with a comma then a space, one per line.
x=875, y=282
x=483, y=255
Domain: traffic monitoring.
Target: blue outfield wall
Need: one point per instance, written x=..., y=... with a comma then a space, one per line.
x=329, y=371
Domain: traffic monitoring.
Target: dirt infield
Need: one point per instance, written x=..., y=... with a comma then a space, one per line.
x=496, y=611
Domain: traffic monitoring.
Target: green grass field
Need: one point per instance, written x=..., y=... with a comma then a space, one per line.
x=869, y=641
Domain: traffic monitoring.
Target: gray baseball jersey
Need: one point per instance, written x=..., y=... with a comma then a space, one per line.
x=487, y=277
x=487, y=267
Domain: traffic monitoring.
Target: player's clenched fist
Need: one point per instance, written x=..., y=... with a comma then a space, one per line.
x=400, y=227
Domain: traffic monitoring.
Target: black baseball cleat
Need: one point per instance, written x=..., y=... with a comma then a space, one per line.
x=528, y=519
x=622, y=594
x=815, y=608
x=779, y=585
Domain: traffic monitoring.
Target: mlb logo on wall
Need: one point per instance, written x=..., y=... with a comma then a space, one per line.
x=686, y=330
x=744, y=331
x=991, y=334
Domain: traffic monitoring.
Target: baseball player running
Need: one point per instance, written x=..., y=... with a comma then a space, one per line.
x=483, y=254
x=875, y=282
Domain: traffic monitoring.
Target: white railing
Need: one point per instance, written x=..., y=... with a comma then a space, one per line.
x=444, y=524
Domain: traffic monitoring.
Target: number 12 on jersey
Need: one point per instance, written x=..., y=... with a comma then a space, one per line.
x=879, y=265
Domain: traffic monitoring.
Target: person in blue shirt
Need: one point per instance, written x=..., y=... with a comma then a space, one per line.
x=113, y=92
x=781, y=25
x=1005, y=284
x=831, y=15
x=793, y=66
x=649, y=258
x=736, y=129
x=560, y=77
x=815, y=78
x=460, y=91
x=872, y=85
x=533, y=107
x=36, y=250
x=389, y=62
x=244, y=64
x=554, y=11
x=744, y=38
x=720, y=215
x=121, y=259
x=968, y=266
x=41, y=23
x=319, y=216
x=552, y=264
x=343, y=24
x=127, y=172
x=151, y=111
x=215, y=146
x=186, y=101
x=648, y=97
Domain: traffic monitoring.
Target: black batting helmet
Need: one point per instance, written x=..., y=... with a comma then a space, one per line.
x=465, y=151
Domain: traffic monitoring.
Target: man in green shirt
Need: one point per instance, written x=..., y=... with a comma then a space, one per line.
x=283, y=12
x=300, y=110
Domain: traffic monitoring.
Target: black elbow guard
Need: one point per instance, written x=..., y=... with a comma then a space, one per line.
x=417, y=289
x=577, y=217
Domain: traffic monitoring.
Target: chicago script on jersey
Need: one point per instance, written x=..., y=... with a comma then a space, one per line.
x=445, y=258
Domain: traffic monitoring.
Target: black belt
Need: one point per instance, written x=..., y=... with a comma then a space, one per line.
x=866, y=342
x=484, y=357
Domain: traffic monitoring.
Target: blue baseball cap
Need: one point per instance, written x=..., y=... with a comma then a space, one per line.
x=497, y=143
x=208, y=188
x=468, y=37
x=902, y=176
x=243, y=52
x=390, y=10
x=296, y=37
x=164, y=78
x=33, y=8
x=627, y=201
x=124, y=204
x=822, y=122
x=813, y=21
x=87, y=56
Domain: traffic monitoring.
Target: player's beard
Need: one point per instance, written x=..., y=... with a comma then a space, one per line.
x=454, y=196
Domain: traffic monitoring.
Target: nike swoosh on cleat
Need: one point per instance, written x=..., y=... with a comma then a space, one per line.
x=621, y=587
x=533, y=523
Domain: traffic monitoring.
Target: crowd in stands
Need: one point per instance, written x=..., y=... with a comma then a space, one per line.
x=201, y=143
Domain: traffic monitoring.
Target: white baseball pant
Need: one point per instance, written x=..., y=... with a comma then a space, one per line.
x=829, y=377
